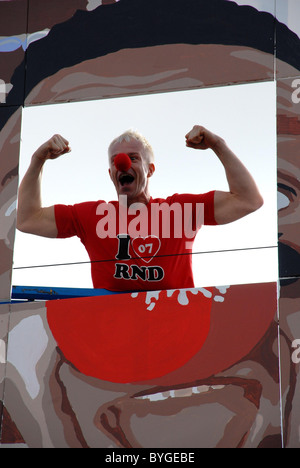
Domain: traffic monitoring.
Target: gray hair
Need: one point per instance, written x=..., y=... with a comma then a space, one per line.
x=134, y=135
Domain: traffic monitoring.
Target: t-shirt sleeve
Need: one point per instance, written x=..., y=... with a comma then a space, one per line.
x=66, y=221
x=207, y=199
x=209, y=208
x=76, y=220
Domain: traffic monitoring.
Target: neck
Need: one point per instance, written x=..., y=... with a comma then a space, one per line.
x=143, y=198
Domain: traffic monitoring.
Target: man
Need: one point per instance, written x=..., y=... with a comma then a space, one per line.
x=137, y=243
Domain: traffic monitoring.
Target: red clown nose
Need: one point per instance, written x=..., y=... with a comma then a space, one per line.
x=122, y=162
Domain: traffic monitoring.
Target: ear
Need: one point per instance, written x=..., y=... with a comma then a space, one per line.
x=109, y=173
x=151, y=170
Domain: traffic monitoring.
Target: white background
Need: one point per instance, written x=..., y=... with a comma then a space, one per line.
x=245, y=115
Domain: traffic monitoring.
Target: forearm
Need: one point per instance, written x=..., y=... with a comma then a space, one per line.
x=29, y=196
x=243, y=196
x=31, y=216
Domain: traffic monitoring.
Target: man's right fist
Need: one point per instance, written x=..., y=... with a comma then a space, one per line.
x=53, y=148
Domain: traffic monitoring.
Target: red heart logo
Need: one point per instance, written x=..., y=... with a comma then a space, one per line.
x=146, y=247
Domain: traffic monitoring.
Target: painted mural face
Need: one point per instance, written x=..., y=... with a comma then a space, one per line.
x=288, y=130
x=288, y=177
x=184, y=377
x=241, y=391
x=9, y=144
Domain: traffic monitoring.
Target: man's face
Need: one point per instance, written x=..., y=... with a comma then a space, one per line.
x=134, y=182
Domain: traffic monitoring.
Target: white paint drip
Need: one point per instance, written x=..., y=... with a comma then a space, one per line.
x=182, y=298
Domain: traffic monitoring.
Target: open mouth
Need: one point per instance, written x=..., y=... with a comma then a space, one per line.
x=180, y=393
x=251, y=389
x=126, y=179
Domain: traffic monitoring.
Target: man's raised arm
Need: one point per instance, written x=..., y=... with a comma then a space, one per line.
x=32, y=218
x=243, y=197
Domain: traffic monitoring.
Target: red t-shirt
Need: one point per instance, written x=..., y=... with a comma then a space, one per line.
x=146, y=247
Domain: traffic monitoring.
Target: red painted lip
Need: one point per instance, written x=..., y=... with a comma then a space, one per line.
x=154, y=338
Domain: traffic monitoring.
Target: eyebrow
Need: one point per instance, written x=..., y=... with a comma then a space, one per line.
x=9, y=175
x=286, y=187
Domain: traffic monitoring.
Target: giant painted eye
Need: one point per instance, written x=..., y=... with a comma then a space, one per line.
x=282, y=201
x=285, y=195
